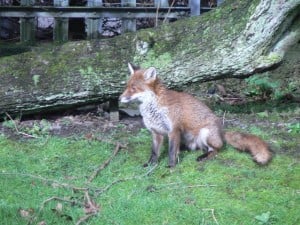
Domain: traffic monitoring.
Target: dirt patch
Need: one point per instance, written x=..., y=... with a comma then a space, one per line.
x=74, y=124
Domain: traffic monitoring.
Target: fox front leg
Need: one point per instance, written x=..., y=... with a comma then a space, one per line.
x=157, y=140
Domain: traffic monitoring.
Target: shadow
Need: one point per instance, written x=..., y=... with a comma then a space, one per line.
x=257, y=106
x=12, y=49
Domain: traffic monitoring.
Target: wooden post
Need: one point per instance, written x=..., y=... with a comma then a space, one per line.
x=27, y=25
x=61, y=25
x=195, y=6
x=161, y=3
x=93, y=26
x=219, y=2
x=114, y=110
x=128, y=24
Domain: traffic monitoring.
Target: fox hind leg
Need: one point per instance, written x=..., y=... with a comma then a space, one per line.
x=174, y=147
x=211, y=142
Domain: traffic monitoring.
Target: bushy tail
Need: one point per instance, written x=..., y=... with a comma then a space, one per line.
x=251, y=143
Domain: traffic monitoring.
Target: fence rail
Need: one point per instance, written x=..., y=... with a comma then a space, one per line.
x=93, y=12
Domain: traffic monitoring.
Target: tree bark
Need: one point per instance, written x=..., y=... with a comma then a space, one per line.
x=237, y=39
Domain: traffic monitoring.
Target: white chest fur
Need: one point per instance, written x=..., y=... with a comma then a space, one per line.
x=155, y=117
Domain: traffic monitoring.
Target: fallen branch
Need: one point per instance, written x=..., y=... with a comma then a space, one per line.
x=90, y=207
x=125, y=179
x=194, y=186
x=73, y=202
x=16, y=127
x=54, y=183
x=84, y=218
x=105, y=164
x=213, y=214
x=54, y=198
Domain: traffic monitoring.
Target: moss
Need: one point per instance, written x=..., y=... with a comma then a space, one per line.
x=271, y=59
x=160, y=61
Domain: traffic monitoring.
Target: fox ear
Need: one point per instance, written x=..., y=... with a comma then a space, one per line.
x=150, y=74
x=132, y=68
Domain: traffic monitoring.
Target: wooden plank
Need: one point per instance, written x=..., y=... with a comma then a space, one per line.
x=93, y=26
x=61, y=24
x=128, y=24
x=27, y=25
x=195, y=6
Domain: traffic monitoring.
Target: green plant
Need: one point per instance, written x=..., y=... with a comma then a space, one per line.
x=294, y=128
x=41, y=128
x=263, y=218
x=8, y=124
x=261, y=86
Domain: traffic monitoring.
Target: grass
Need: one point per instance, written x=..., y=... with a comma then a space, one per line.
x=39, y=181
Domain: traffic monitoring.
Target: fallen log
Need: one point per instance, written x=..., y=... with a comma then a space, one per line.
x=237, y=39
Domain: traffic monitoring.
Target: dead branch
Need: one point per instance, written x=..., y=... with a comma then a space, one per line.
x=17, y=129
x=90, y=208
x=194, y=186
x=125, y=179
x=213, y=214
x=55, y=198
x=54, y=183
x=105, y=164
x=84, y=218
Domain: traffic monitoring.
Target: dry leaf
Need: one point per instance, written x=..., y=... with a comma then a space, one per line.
x=42, y=223
x=59, y=207
x=24, y=213
x=91, y=208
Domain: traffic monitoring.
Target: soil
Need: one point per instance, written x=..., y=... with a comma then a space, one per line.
x=70, y=124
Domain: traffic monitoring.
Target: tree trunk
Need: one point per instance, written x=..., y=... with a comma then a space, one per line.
x=237, y=39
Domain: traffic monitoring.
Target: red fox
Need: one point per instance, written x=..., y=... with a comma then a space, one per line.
x=179, y=116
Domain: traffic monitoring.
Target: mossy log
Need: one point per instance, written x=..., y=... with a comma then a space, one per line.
x=237, y=39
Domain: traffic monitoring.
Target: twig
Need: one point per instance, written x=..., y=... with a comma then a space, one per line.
x=58, y=199
x=53, y=182
x=54, y=198
x=213, y=214
x=16, y=127
x=156, y=17
x=169, y=10
x=91, y=209
x=105, y=164
x=85, y=218
x=194, y=186
x=224, y=118
x=125, y=179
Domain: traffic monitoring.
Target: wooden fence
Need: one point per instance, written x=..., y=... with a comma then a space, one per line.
x=93, y=13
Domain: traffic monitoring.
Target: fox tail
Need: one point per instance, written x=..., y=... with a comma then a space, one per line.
x=258, y=148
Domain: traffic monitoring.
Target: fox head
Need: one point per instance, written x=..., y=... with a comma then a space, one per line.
x=141, y=84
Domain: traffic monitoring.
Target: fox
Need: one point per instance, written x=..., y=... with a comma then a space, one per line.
x=184, y=120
